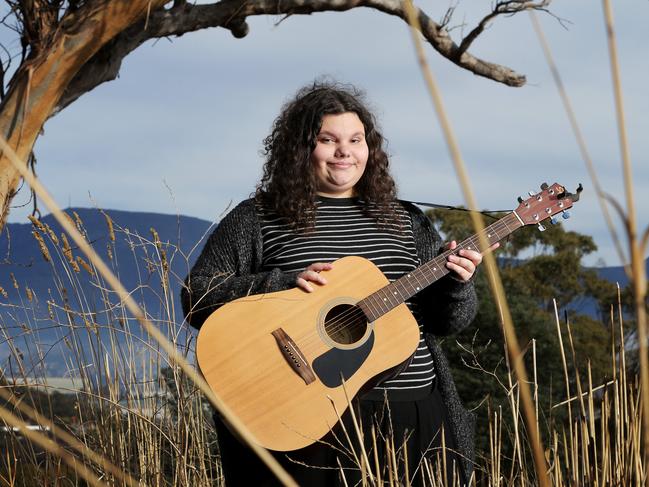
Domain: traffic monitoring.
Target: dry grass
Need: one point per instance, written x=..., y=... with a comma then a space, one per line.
x=135, y=409
x=140, y=421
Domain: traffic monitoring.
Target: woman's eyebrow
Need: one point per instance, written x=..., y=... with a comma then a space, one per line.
x=333, y=134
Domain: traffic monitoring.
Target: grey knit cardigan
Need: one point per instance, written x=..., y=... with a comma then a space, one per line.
x=230, y=266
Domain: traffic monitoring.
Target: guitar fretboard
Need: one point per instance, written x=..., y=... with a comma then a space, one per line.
x=379, y=303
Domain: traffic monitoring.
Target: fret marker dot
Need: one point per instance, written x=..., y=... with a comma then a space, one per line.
x=418, y=288
x=385, y=299
x=434, y=268
x=489, y=235
x=395, y=293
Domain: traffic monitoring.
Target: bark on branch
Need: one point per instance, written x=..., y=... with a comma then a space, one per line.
x=184, y=17
x=503, y=7
x=38, y=84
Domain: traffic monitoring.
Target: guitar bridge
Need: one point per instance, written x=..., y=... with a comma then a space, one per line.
x=294, y=356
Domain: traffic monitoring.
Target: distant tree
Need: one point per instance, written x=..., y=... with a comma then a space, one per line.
x=536, y=267
x=70, y=47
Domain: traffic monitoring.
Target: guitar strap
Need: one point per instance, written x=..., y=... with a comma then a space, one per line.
x=457, y=208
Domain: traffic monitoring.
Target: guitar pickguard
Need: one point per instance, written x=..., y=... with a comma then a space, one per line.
x=336, y=365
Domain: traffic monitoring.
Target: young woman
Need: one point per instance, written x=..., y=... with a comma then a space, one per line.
x=326, y=192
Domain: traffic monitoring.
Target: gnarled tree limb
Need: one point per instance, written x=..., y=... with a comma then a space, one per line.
x=183, y=18
x=71, y=47
x=39, y=83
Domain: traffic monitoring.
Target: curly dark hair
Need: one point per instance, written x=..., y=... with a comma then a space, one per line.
x=288, y=184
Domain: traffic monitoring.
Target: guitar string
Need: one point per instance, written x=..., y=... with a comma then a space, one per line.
x=347, y=318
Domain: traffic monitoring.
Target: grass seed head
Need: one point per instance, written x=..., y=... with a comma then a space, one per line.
x=42, y=246
x=85, y=265
x=67, y=250
x=161, y=250
x=51, y=233
x=78, y=221
x=111, y=229
x=37, y=223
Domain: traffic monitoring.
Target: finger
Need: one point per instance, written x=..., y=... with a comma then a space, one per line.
x=451, y=245
x=465, y=266
x=492, y=248
x=460, y=272
x=472, y=255
x=467, y=261
x=320, y=266
x=304, y=285
x=313, y=276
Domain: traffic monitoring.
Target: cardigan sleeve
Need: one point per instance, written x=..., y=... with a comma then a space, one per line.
x=229, y=267
x=448, y=305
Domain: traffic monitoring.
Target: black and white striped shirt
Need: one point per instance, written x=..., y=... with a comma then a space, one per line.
x=343, y=228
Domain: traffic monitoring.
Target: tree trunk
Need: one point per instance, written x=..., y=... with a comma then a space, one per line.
x=43, y=78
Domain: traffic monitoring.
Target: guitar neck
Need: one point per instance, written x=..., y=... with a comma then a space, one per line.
x=379, y=303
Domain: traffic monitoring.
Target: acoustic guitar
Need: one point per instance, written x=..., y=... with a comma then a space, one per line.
x=288, y=363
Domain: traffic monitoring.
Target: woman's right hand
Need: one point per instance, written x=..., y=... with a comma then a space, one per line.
x=312, y=274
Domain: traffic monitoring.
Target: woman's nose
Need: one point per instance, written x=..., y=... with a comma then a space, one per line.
x=342, y=150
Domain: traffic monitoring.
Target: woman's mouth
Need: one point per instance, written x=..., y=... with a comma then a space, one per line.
x=340, y=165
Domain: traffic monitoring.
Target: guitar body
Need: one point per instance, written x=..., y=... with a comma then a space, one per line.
x=249, y=351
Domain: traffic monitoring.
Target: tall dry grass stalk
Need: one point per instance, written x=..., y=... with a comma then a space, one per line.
x=637, y=245
x=579, y=137
x=134, y=308
x=634, y=265
x=511, y=341
x=131, y=419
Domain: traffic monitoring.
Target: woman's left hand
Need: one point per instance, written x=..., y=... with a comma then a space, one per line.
x=465, y=262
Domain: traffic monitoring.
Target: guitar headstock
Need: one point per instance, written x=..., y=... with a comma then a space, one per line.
x=551, y=201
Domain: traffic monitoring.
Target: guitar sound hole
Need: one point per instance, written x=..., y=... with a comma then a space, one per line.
x=345, y=324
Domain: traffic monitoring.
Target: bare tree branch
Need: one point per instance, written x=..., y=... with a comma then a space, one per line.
x=185, y=17
x=68, y=47
x=503, y=7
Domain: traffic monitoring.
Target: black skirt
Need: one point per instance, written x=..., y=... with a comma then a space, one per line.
x=416, y=424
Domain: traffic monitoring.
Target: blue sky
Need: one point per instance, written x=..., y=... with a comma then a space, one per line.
x=180, y=131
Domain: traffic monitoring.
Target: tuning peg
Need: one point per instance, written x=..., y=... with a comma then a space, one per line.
x=531, y=193
x=520, y=199
x=565, y=214
x=544, y=186
x=554, y=220
x=541, y=228
x=580, y=188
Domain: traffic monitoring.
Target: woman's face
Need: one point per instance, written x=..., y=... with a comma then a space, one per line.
x=340, y=155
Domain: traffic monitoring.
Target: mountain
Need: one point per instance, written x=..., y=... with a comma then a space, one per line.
x=617, y=274
x=37, y=292
x=587, y=305
x=70, y=309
